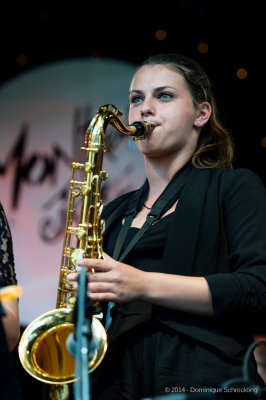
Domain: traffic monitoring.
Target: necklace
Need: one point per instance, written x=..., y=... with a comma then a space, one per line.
x=148, y=208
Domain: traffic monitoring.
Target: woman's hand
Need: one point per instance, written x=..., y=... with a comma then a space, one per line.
x=112, y=280
x=120, y=283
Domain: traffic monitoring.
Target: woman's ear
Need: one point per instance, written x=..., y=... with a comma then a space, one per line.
x=204, y=111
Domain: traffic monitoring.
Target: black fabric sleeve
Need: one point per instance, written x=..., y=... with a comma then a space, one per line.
x=242, y=292
x=7, y=270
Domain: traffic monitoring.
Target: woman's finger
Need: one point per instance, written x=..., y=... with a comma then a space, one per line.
x=94, y=263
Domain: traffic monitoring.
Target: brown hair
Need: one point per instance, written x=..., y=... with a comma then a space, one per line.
x=215, y=146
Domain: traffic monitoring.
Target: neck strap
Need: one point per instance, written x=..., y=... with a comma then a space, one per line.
x=165, y=201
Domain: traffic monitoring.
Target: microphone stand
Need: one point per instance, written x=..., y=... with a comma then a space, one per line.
x=83, y=339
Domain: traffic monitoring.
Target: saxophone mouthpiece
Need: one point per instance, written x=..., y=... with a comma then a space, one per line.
x=141, y=130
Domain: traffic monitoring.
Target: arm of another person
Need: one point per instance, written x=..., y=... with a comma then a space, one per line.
x=11, y=322
x=8, y=277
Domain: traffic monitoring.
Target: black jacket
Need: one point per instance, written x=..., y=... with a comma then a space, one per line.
x=218, y=231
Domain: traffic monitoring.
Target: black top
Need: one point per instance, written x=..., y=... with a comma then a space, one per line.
x=218, y=231
x=147, y=255
x=148, y=252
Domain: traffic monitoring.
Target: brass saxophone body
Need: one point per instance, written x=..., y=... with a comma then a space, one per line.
x=42, y=347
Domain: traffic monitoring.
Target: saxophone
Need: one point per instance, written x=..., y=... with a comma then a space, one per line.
x=42, y=347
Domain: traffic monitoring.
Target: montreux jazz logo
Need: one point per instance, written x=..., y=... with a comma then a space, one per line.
x=37, y=168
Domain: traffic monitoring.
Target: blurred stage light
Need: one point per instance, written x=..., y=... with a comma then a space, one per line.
x=160, y=34
x=263, y=142
x=203, y=47
x=22, y=60
x=242, y=73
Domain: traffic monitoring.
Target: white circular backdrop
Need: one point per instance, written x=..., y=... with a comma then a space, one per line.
x=44, y=114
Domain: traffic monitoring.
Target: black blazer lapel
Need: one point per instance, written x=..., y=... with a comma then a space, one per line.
x=116, y=209
x=181, y=246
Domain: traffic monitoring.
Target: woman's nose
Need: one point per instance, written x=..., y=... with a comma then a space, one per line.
x=147, y=107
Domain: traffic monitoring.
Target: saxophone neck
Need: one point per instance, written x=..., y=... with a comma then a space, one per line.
x=109, y=114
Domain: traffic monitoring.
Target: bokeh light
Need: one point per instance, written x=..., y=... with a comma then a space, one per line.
x=160, y=34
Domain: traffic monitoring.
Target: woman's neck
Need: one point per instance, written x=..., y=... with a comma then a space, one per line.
x=160, y=171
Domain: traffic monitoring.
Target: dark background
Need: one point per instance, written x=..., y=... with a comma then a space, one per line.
x=233, y=30
x=34, y=35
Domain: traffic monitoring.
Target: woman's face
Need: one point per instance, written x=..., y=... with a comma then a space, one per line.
x=160, y=96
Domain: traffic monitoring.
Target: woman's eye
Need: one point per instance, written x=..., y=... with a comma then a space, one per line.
x=165, y=96
x=136, y=99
